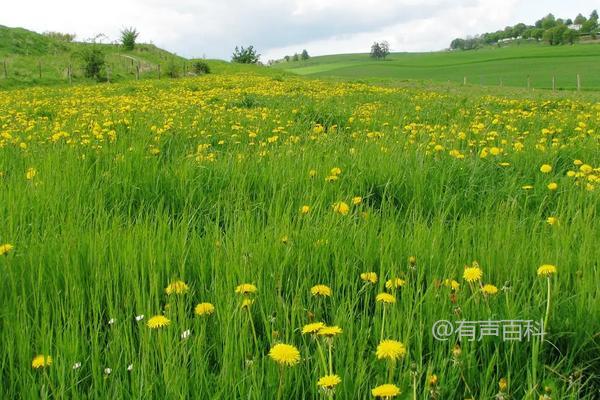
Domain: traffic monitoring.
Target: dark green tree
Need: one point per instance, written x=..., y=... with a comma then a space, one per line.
x=245, y=55
x=304, y=55
x=128, y=38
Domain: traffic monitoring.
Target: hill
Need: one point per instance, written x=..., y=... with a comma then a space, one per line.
x=30, y=58
x=510, y=66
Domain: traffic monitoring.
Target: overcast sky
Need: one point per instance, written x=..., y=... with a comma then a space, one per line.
x=195, y=28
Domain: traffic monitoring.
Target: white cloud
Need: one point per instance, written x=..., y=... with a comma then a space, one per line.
x=279, y=27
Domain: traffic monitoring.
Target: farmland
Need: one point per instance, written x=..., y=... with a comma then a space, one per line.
x=164, y=239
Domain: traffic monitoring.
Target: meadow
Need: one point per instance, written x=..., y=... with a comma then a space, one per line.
x=251, y=236
x=490, y=66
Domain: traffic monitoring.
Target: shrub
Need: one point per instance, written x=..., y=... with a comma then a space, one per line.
x=128, y=38
x=93, y=61
x=200, y=67
x=245, y=55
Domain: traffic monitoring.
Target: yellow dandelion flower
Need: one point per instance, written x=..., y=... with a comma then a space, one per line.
x=158, y=321
x=552, y=220
x=489, y=289
x=527, y=187
x=177, y=287
x=31, y=173
x=330, y=331
x=335, y=171
x=329, y=381
x=433, y=379
x=503, y=384
x=331, y=178
x=341, y=208
x=304, y=210
x=356, y=200
x=472, y=274
x=546, y=270
x=41, y=361
x=312, y=173
x=321, y=290
x=390, y=349
x=285, y=354
x=246, y=303
x=312, y=328
x=546, y=168
x=246, y=288
x=394, y=283
x=6, y=248
x=452, y=284
x=370, y=277
x=387, y=390
x=552, y=186
x=385, y=298
x=204, y=309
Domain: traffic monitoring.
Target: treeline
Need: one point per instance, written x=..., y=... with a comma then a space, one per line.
x=550, y=29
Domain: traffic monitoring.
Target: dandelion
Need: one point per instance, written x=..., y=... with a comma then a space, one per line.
x=489, y=289
x=177, y=287
x=369, y=277
x=158, y=321
x=330, y=331
x=246, y=288
x=502, y=384
x=552, y=186
x=385, y=298
x=357, y=200
x=246, y=303
x=304, y=209
x=329, y=382
x=394, y=283
x=546, y=168
x=527, y=187
x=546, y=270
x=552, y=220
x=312, y=173
x=472, y=274
x=313, y=328
x=452, y=284
x=341, y=208
x=390, y=349
x=285, y=354
x=5, y=249
x=41, y=361
x=31, y=173
x=335, y=171
x=387, y=391
x=321, y=290
x=204, y=309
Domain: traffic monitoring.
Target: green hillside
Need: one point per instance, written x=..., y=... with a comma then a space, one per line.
x=34, y=59
x=488, y=66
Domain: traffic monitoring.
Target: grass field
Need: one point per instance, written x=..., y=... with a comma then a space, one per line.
x=489, y=66
x=126, y=206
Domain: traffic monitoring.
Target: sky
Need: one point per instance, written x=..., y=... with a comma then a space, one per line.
x=211, y=29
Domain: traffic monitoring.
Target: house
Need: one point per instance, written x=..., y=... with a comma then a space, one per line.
x=575, y=27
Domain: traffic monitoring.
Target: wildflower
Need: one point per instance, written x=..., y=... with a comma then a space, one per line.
x=284, y=239
x=204, y=309
x=177, y=287
x=552, y=186
x=527, y=187
x=246, y=303
x=330, y=331
x=312, y=173
x=385, y=298
x=388, y=391
x=331, y=178
x=321, y=290
x=158, y=321
x=312, y=328
x=304, y=209
x=140, y=317
x=329, y=381
x=452, y=284
x=489, y=289
x=503, y=384
x=412, y=260
x=546, y=168
x=107, y=371
x=246, y=288
x=5, y=249
x=285, y=354
x=433, y=380
x=335, y=171
x=41, y=361
x=112, y=321
x=390, y=349
x=370, y=277
x=394, y=283
x=186, y=334
x=472, y=274
x=552, y=220
x=341, y=208
x=546, y=270
x=130, y=367
x=31, y=173
x=356, y=200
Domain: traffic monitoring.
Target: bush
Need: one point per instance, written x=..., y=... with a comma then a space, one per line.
x=173, y=69
x=93, y=62
x=200, y=67
x=245, y=55
x=128, y=38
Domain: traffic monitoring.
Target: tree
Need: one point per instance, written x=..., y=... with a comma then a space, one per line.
x=245, y=55
x=93, y=61
x=304, y=55
x=200, y=68
x=594, y=15
x=380, y=50
x=556, y=35
x=457, y=44
x=128, y=38
x=570, y=36
x=296, y=57
x=548, y=22
x=580, y=19
x=287, y=58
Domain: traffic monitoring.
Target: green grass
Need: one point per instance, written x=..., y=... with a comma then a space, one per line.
x=142, y=183
x=489, y=66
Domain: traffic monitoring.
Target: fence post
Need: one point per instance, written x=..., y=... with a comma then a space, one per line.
x=69, y=73
x=107, y=74
x=464, y=80
x=40, y=68
x=158, y=71
x=553, y=83
x=578, y=83
x=137, y=72
x=528, y=82
x=5, y=70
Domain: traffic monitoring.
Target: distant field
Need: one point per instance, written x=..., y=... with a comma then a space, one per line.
x=491, y=66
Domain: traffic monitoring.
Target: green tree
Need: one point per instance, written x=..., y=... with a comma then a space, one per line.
x=580, y=19
x=93, y=61
x=128, y=38
x=245, y=55
x=548, y=22
x=296, y=57
x=304, y=55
